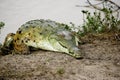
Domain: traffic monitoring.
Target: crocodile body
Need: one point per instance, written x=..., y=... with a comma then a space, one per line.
x=42, y=34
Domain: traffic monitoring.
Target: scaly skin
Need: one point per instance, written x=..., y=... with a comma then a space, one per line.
x=42, y=34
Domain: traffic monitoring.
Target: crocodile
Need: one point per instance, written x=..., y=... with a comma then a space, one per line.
x=42, y=34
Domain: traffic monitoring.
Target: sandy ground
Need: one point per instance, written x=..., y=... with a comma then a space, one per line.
x=101, y=62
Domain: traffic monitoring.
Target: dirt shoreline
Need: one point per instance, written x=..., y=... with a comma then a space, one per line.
x=101, y=62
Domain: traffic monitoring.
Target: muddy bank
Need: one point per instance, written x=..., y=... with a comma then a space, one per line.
x=101, y=62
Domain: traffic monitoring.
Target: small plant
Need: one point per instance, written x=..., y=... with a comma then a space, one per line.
x=100, y=21
x=60, y=71
x=1, y=25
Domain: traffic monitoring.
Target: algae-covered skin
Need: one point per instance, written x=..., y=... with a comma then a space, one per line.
x=42, y=34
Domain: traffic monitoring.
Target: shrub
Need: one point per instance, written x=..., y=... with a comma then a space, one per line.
x=99, y=21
